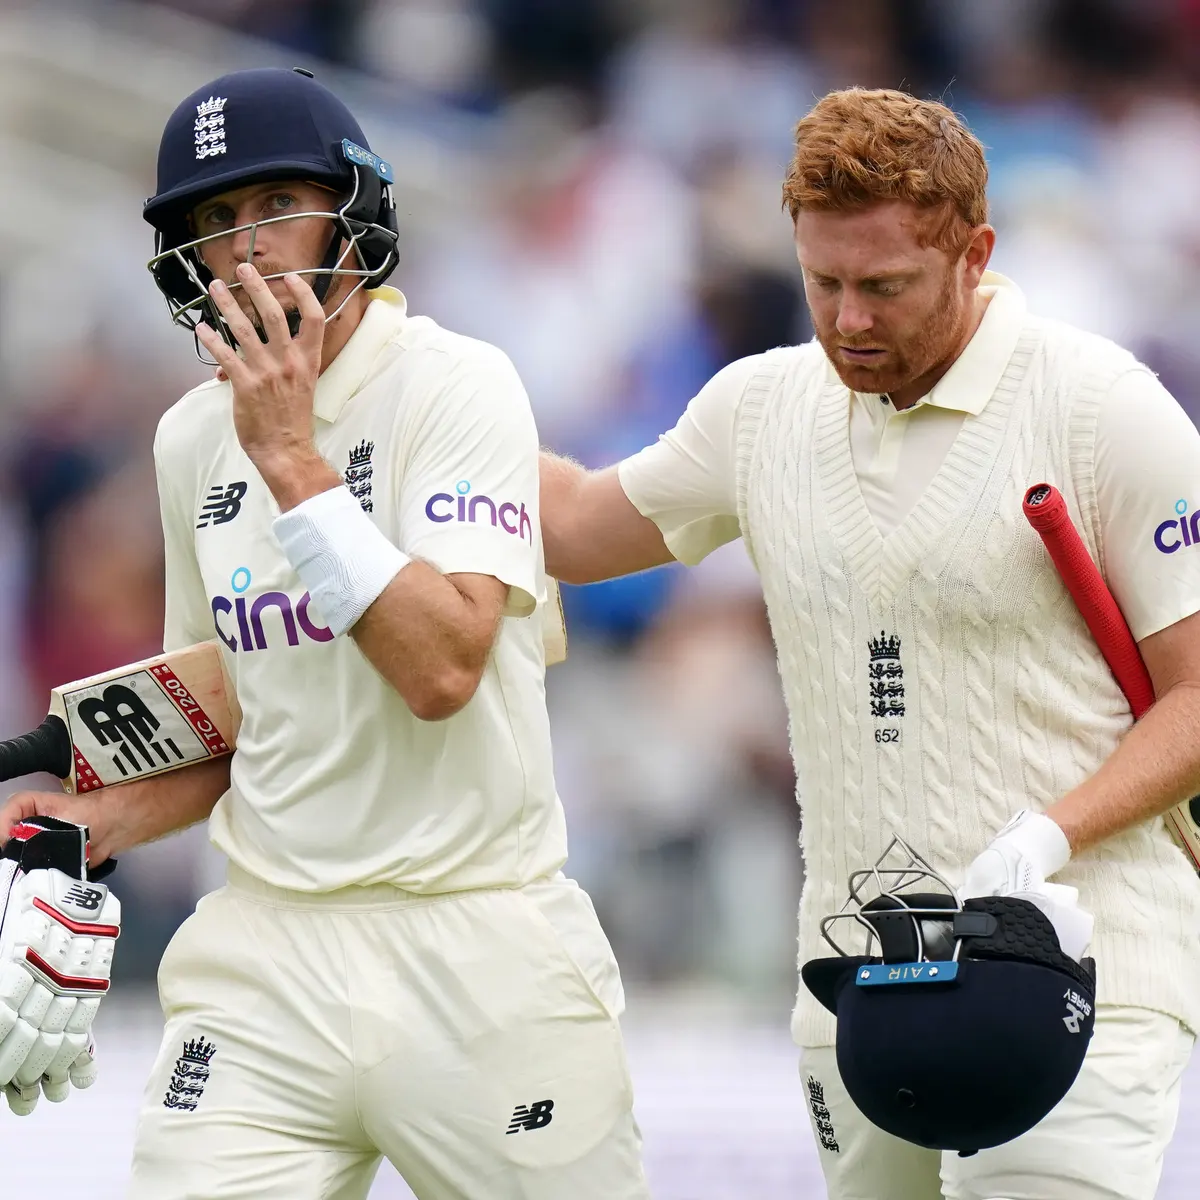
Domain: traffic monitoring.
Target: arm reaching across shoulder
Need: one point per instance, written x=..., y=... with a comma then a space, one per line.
x=590, y=528
x=676, y=499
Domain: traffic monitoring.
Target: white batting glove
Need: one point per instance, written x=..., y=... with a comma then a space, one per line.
x=58, y=931
x=1018, y=861
x=1020, y=858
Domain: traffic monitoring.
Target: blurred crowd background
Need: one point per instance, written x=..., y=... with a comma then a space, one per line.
x=593, y=185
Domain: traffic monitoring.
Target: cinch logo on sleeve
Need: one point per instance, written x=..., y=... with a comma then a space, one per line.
x=442, y=507
x=248, y=629
x=1170, y=535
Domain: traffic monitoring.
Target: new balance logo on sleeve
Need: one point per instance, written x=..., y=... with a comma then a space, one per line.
x=532, y=1116
x=223, y=503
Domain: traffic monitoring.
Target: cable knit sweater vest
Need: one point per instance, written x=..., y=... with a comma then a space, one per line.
x=940, y=679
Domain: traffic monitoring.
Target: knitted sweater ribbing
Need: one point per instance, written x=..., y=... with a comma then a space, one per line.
x=955, y=634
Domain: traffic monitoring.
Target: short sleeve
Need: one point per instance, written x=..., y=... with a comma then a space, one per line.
x=469, y=483
x=1148, y=493
x=188, y=616
x=686, y=481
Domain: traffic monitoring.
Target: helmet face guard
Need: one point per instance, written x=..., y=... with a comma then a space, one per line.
x=362, y=247
x=255, y=127
x=901, y=925
x=962, y=1024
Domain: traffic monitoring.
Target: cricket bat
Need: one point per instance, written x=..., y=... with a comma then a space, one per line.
x=142, y=719
x=165, y=712
x=554, y=625
x=1046, y=510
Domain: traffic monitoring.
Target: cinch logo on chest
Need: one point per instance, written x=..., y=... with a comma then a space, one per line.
x=248, y=615
x=442, y=507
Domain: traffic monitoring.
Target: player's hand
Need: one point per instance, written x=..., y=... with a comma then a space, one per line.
x=273, y=380
x=1018, y=862
x=58, y=932
x=57, y=1080
x=22, y=805
x=1021, y=857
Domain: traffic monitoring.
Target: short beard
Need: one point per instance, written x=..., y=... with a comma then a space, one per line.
x=940, y=334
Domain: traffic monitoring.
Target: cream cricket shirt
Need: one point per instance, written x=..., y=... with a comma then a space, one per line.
x=1147, y=466
x=334, y=781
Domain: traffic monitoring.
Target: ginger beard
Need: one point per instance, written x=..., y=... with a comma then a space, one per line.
x=931, y=341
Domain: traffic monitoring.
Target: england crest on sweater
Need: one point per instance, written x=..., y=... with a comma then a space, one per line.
x=886, y=676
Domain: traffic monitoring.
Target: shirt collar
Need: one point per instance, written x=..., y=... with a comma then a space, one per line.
x=976, y=373
x=383, y=318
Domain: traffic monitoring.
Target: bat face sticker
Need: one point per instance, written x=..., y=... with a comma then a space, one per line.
x=120, y=717
x=136, y=724
x=150, y=716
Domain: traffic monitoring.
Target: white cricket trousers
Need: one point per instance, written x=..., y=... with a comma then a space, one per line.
x=471, y=1038
x=1105, y=1139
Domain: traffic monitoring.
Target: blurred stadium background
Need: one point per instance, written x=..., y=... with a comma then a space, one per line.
x=594, y=186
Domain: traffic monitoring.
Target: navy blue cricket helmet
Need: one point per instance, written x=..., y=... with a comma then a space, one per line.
x=968, y=1025
x=254, y=127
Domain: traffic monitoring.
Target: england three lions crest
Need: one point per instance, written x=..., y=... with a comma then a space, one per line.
x=358, y=474
x=209, y=128
x=885, y=676
x=190, y=1075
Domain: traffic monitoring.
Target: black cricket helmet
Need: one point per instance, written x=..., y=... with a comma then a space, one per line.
x=963, y=1024
x=254, y=127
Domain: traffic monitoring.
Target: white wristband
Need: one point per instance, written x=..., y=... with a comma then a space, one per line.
x=340, y=554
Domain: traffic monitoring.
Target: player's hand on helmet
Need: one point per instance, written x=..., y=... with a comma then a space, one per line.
x=57, y=937
x=1020, y=858
x=1018, y=862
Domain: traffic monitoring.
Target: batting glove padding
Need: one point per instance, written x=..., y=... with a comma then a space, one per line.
x=57, y=936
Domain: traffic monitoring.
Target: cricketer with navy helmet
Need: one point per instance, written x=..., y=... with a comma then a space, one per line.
x=294, y=128
x=397, y=966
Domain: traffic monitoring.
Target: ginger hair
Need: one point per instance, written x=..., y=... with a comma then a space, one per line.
x=860, y=147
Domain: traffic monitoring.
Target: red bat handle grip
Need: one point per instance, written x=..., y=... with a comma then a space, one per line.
x=1046, y=511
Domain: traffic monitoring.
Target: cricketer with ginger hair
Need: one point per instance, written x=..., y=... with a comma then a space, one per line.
x=875, y=475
